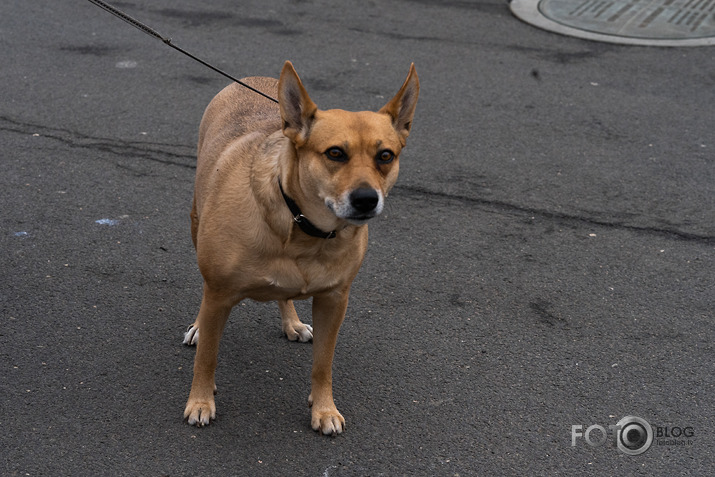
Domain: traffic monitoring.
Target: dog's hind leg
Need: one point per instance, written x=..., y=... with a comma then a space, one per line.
x=194, y=222
x=293, y=328
x=191, y=337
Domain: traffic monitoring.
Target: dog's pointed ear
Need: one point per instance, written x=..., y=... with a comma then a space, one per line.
x=401, y=108
x=297, y=109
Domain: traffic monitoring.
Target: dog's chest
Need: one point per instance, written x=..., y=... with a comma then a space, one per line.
x=291, y=278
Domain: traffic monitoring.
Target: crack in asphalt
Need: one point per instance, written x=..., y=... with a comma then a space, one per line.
x=153, y=152
x=128, y=149
x=509, y=207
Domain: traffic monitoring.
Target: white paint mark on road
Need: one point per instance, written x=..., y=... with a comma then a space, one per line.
x=126, y=64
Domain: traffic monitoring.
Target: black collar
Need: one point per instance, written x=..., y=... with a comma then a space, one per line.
x=302, y=221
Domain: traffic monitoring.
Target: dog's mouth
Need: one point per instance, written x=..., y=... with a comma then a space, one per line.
x=359, y=219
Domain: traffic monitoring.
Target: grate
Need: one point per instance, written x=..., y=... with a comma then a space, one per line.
x=638, y=22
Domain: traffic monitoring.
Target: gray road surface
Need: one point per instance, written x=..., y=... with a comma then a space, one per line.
x=545, y=261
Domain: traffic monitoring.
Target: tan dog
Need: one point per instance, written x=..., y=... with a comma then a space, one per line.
x=281, y=199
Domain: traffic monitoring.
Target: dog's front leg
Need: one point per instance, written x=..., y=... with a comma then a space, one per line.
x=328, y=315
x=214, y=311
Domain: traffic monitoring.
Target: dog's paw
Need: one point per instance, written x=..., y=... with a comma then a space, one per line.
x=298, y=332
x=199, y=413
x=191, y=337
x=329, y=422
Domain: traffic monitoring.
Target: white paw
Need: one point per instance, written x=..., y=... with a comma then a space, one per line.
x=299, y=332
x=191, y=337
x=199, y=413
x=330, y=423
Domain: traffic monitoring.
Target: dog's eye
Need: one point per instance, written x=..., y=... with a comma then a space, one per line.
x=385, y=157
x=336, y=154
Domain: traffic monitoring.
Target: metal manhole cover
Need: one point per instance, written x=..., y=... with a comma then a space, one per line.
x=631, y=22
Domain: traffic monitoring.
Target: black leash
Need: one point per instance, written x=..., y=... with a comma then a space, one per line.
x=151, y=32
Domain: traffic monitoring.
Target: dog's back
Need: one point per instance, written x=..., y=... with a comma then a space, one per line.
x=237, y=110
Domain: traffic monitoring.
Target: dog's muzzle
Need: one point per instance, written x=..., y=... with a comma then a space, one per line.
x=358, y=205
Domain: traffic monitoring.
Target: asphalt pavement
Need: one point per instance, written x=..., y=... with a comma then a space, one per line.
x=544, y=268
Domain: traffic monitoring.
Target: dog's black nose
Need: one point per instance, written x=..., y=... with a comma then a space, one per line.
x=364, y=199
